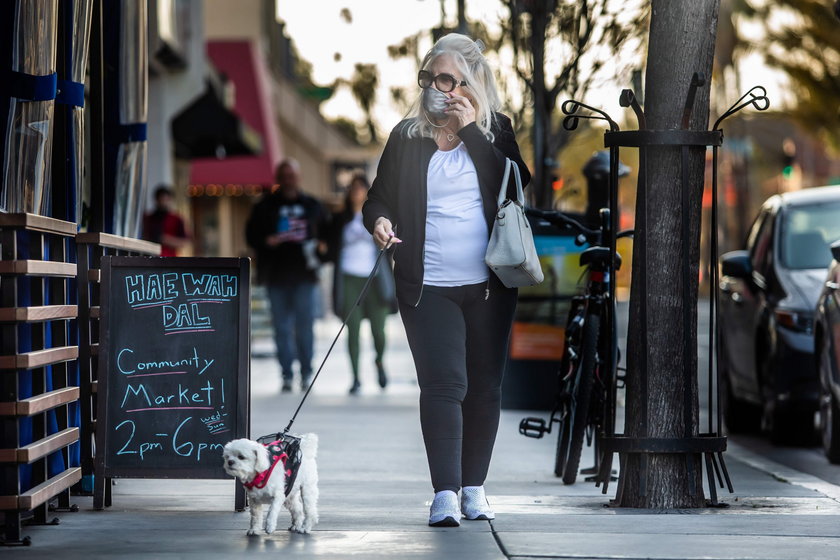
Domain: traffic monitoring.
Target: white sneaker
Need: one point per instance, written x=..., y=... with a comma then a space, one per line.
x=445, y=511
x=474, y=504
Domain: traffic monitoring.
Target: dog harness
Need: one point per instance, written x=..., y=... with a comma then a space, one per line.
x=277, y=451
x=276, y=455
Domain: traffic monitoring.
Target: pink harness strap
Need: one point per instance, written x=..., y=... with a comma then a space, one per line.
x=262, y=478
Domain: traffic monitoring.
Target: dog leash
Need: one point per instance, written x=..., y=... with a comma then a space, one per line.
x=358, y=301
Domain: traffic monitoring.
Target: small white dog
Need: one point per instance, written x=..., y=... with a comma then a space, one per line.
x=251, y=463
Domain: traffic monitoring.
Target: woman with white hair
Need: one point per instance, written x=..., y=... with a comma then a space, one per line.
x=435, y=195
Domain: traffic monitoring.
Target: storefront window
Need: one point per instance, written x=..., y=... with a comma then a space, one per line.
x=134, y=83
x=82, y=11
x=28, y=134
x=128, y=206
x=130, y=165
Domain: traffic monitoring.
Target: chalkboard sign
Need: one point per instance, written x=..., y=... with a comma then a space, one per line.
x=174, y=366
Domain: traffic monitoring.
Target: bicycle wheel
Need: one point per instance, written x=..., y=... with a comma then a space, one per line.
x=563, y=437
x=578, y=416
x=569, y=365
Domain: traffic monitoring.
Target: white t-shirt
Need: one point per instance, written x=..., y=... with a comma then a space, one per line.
x=456, y=231
x=358, y=251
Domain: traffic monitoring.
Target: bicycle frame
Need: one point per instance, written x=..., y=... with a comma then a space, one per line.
x=600, y=399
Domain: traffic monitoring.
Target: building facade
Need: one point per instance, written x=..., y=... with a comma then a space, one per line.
x=100, y=102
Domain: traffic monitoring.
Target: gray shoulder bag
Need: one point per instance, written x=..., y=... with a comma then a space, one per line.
x=511, y=254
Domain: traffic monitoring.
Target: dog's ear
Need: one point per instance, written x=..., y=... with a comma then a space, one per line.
x=262, y=462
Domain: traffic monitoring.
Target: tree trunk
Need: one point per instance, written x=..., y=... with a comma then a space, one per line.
x=682, y=38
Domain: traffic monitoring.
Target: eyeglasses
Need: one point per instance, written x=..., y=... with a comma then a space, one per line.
x=443, y=82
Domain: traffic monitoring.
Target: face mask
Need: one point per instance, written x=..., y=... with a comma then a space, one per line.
x=434, y=102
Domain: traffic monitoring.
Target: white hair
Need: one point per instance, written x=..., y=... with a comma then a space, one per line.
x=481, y=85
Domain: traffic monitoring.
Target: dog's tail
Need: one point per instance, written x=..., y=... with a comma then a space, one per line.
x=309, y=445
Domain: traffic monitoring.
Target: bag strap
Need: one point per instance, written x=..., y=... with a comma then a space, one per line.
x=520, y=195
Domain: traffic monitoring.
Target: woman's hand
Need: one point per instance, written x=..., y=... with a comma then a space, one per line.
x=462, y=109
x=383, y=233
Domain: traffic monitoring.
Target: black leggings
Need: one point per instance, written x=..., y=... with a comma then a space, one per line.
x=459, y=343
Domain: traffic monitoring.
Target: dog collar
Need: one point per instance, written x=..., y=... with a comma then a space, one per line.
x=277, y=455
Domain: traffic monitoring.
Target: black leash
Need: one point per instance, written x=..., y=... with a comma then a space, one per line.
x=343, y=324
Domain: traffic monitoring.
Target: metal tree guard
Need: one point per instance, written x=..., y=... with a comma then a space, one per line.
x=712, y=444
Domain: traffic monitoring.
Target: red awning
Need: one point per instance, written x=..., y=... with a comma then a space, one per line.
x=240, y=62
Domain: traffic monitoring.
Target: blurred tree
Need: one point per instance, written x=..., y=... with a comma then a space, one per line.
x=348, y=128
x=730, y=48
x=363, y=85
x=574, y=39
x=407, y=48
x=801, y=38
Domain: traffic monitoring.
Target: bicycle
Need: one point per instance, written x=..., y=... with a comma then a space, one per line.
x=589, y=363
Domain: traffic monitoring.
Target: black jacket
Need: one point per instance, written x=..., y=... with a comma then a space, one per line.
x=285, y=263
x=399, y=193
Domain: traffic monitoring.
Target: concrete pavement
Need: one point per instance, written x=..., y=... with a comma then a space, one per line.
x=375, y=494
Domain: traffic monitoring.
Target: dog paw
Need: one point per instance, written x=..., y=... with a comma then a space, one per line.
x=270, y=529
x=251, y=533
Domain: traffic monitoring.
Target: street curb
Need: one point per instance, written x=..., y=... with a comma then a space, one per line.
x=783, y=473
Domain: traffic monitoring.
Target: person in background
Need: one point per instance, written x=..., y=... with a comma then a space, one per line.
x=284, y=229
x=354, y=253
x=164, y=226
x=438, y=180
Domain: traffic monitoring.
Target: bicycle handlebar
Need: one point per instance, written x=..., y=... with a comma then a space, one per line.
x=561, y=220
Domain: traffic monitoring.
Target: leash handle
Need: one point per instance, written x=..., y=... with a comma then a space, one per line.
x=359, y=299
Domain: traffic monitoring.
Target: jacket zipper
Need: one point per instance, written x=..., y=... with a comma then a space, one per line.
x=420, y=296
x=487, y=289
x=422, y=278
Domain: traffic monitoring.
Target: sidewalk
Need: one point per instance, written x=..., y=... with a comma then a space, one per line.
x=375, y=494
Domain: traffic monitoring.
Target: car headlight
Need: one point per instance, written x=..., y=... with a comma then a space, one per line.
x=802, y=321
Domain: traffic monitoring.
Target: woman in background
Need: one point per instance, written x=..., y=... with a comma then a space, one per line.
x=354, y=253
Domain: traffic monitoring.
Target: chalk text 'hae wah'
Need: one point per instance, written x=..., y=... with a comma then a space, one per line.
x=165, y=287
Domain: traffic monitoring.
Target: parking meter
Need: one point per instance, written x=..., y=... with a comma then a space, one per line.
x=597, y=173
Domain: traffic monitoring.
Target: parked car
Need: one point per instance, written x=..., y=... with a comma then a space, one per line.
x=768, y=296
x=827, y=351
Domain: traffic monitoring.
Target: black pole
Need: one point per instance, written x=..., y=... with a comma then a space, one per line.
x=462, y=18
x=97, y=123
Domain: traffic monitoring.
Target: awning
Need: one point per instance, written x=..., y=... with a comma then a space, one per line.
x=208, y=129
x=239, y=61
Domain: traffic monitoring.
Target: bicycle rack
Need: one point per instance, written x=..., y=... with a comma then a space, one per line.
x=711, y=444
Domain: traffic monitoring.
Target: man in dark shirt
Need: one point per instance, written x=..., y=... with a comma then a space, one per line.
x=284, y=228
x=164, y=226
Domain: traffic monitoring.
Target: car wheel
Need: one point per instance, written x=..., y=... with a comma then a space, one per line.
x=829, y=413
x=790, y=427
x=784, y=425
x=830, y=427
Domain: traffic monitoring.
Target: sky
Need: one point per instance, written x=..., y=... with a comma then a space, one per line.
x=376, y=24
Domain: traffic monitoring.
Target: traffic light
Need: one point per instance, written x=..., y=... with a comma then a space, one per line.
x=787, y=168
x=788, y=157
